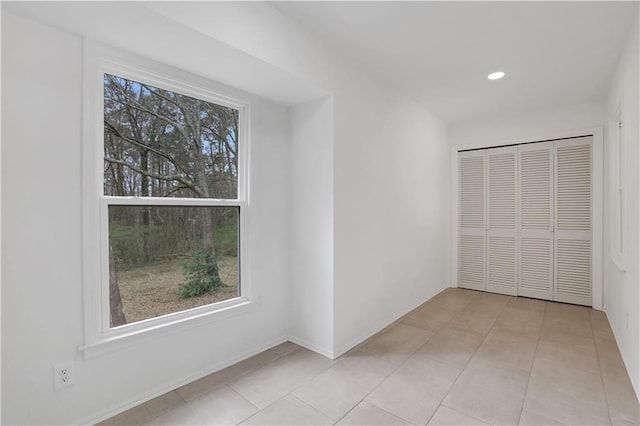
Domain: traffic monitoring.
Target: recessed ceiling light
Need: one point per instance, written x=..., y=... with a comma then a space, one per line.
x=496, y=75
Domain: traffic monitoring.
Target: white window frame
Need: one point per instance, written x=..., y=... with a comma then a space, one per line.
x=616, y=188
x=99, y=337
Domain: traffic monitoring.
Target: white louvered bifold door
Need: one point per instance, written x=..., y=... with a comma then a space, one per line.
x=573, y=221
x=471, y=235
x=501, y=220
x=535, y=165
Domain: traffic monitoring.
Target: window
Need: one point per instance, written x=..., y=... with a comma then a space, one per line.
x=616, y=192
x=165, y=197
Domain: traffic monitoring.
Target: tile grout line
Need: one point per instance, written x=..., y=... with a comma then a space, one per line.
x=398, y=367
x=604, y=388
x=476, y=351
x=317, y=373
x=463, y=368
x=459, y=412
x=181, y=397
x=403, y=361
x=290, y=393
x=226, y=383
x=362, y=344
x=385, y=379
x=469, y=360
x=374, y=405
x=157, y=416
x=337, y=360
x=526, y=392
x=242, y=396
x=457, y=312
x=310, y=406
x=229, y=381
x=221, y=385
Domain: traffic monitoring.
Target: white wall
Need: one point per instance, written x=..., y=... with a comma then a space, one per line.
x=527, y=126
x=622, y=293
x=392, y=209
x=390, y=168
x=41, y=264
x=311, y=295
x=372, y=247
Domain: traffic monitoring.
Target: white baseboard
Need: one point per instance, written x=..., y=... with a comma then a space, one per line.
x=312, y=347
x=624, y=359
x=161, y=390
x=383, y=324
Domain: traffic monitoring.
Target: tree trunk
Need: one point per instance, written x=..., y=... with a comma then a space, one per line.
x=144, y=192
x=209, y=247
x=115, y=302
x=207, y=217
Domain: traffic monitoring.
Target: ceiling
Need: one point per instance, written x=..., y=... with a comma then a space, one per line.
x=440, y=53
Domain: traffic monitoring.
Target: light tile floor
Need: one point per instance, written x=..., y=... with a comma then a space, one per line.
x=462, y=358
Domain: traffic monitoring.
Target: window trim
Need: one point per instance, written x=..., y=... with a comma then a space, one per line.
x=99, y=337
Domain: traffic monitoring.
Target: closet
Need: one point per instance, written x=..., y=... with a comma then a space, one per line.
x=525, y=225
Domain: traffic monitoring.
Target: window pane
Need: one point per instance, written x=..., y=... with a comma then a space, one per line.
x=159, y=143
x=169, y=259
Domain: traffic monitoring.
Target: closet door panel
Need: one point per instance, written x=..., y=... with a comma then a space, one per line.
x=501, y=264
x=471, y=273
x=536, y=192
x=573, y=275
x=536, y=267
x=472, y=220
x=502, y=220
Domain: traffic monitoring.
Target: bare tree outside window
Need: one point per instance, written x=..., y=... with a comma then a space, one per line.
x=162, y=144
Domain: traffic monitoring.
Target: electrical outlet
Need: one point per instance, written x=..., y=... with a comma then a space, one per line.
x=62, y=375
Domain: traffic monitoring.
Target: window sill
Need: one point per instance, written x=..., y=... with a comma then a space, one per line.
x=126, y=337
